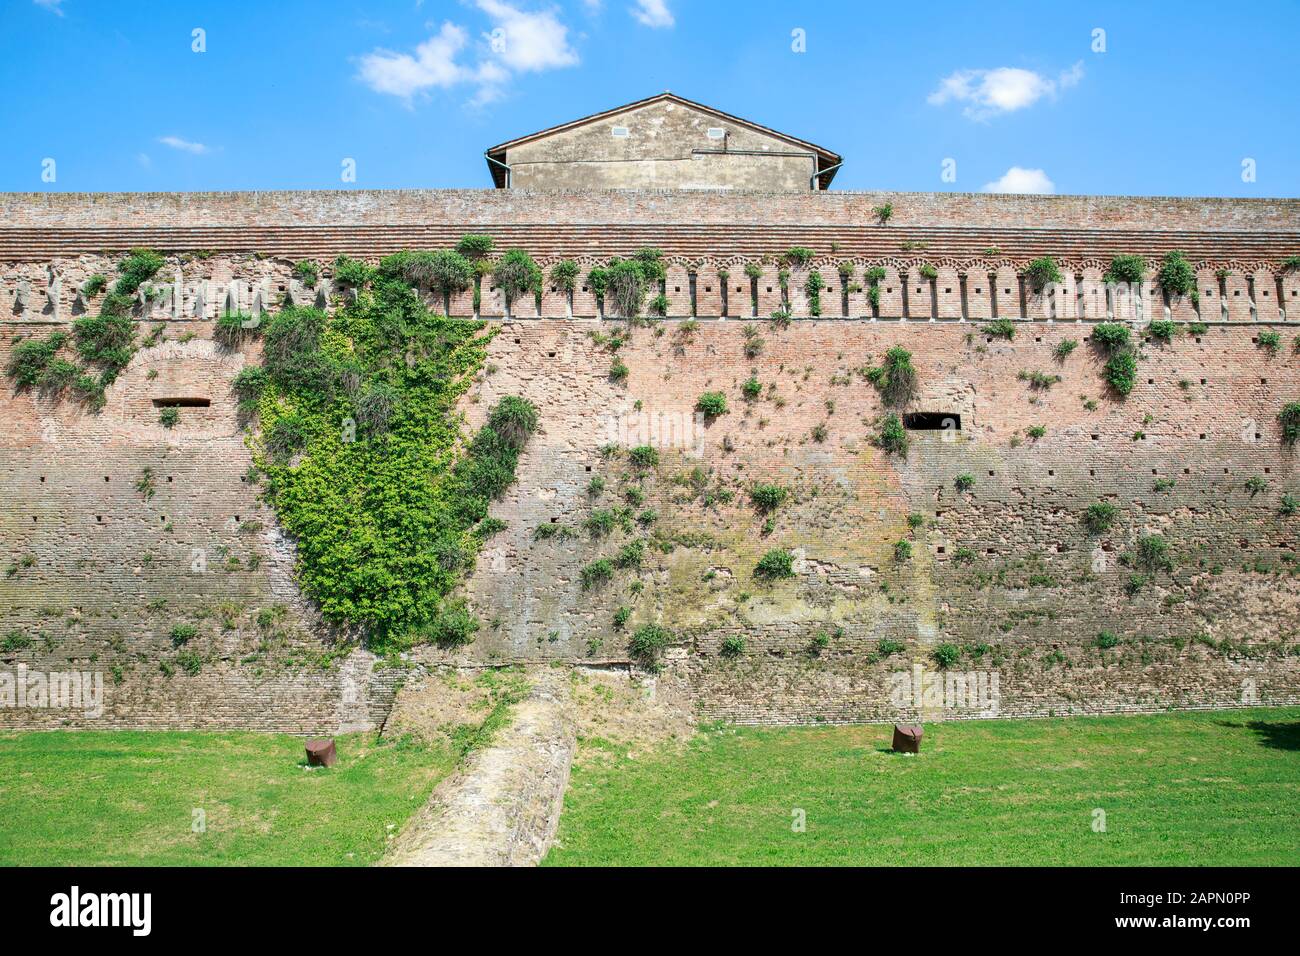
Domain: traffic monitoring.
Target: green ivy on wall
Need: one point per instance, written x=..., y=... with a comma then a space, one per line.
x=361, y=444
x=105, y=342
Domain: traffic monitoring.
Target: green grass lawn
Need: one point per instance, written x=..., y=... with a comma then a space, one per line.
x=95, y=797
x=1201, y=788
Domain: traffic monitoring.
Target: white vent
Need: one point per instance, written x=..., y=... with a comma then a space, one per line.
x=717, y=132
x=620, y=132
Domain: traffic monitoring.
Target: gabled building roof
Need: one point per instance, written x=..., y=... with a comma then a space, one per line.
x=827, y=162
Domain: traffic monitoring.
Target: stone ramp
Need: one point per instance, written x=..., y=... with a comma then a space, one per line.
x=503, y=806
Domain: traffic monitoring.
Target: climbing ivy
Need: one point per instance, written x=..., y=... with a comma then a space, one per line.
x=104, y=342
x=812, y=288
x=361, y=444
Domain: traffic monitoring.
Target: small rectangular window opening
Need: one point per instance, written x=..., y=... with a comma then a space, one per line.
x=932, y=421
x=181, y=402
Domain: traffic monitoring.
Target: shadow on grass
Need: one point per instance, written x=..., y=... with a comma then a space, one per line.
x=1278, y=734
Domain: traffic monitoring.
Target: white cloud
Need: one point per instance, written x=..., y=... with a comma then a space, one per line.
x=652, y=13
x=184, y=145
x=1006, y=89
x=527, y=42
x=520, y=41
x=54, y=6
x=1017, y=179
x=434, y=64
x=1072, y=76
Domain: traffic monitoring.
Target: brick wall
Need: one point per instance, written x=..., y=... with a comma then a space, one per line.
x=397, y=207
x=103, y=555
x=1038, y=588
x=103, y=571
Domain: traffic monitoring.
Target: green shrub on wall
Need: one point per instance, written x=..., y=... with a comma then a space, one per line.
x=1001, y=329
x=1162, y=330
x=1176, y=276
x=812, y=288
x=892, y=437
x=1126, y=269
x=775, y=564
x=1042, y=272
x=515, y=274
x=565, y=275
x=711, y=404
x=384, y=499
x=1289, y=418
x=648, y=641
x=1121, y=372
x=105, y=341
x=1100, y=516
x=351, y=273
x=28, y=360
x=895, y=378
x=946, y=655
x=443, y=273
x=307, y=272
x=767, y=498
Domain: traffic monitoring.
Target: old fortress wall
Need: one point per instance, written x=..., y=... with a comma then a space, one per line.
x=103, y=571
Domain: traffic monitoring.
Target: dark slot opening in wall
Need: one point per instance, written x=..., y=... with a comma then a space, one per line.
x=932, y=421
x=181, y=402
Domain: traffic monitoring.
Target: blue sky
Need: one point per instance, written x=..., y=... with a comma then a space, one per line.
x=1014, y=94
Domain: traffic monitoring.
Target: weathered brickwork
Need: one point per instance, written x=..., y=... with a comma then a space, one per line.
x=1006, y=571
x=116, y=531
x=1031, y=596
x=209, y=285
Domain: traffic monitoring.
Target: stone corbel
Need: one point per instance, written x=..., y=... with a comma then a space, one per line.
x=232, y=297
x=53, y=287
x=178, y=296
x=200, y=307
x=260, y=299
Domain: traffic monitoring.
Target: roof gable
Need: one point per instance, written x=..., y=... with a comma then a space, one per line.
x=827, y=161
